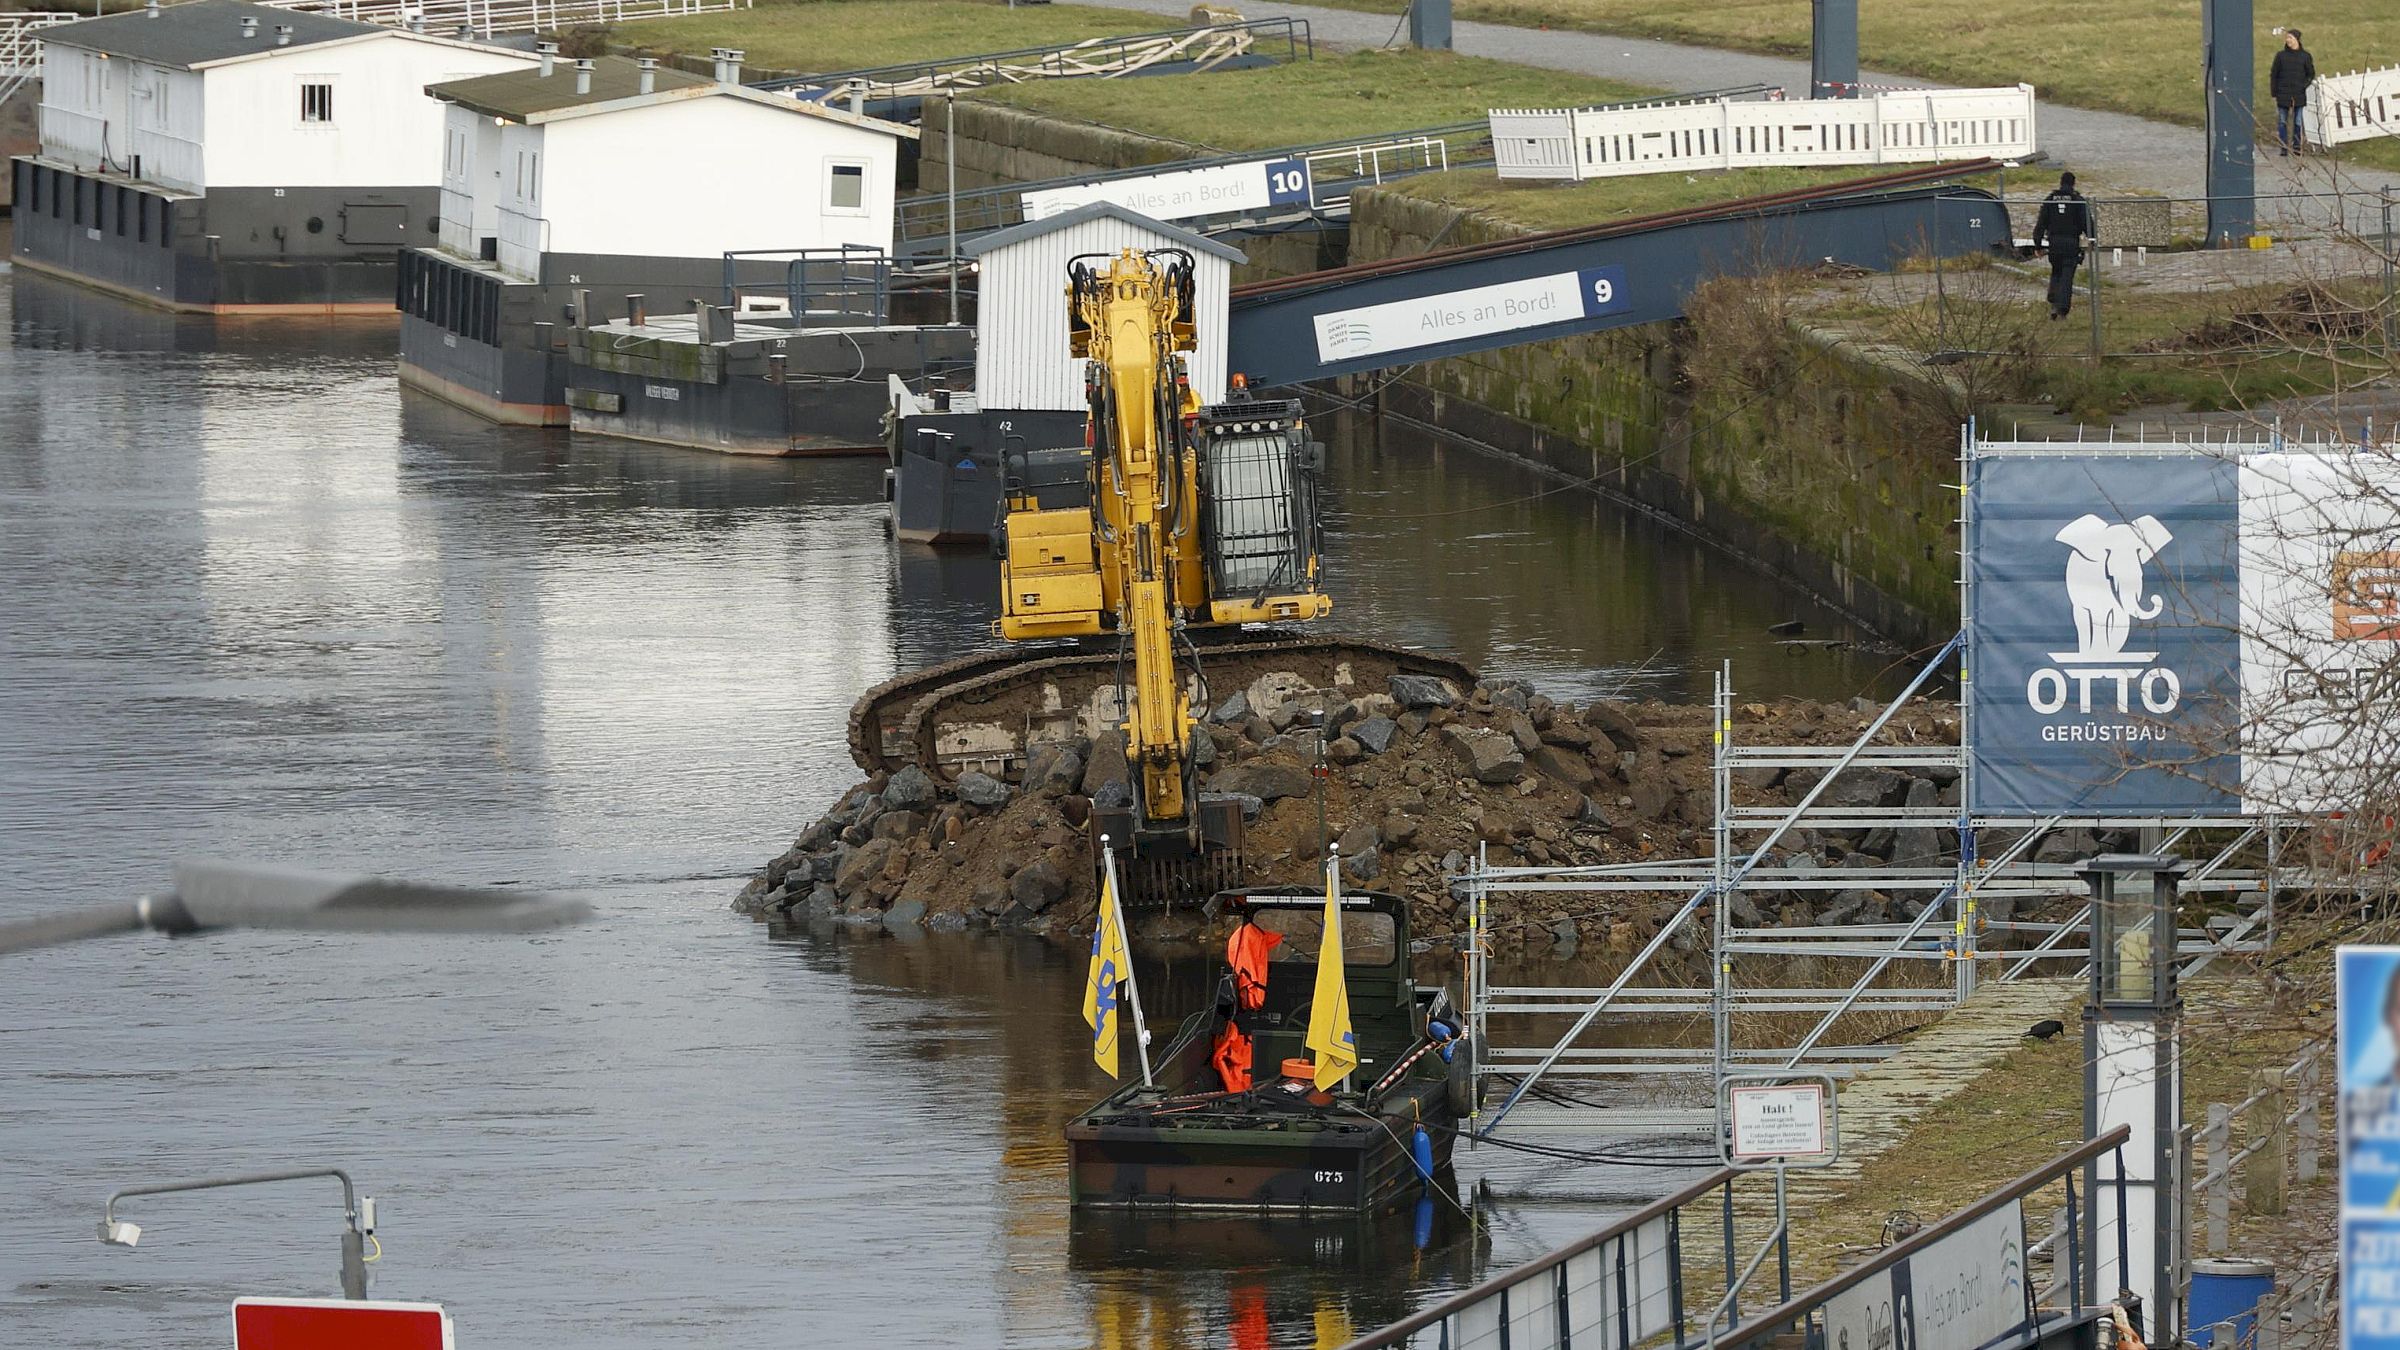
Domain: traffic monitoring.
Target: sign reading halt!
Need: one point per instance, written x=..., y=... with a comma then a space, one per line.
x=338, y=1324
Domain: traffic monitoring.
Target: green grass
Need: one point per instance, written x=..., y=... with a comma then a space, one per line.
x=1329, y=98
x=2134, y=56
x=828, y=35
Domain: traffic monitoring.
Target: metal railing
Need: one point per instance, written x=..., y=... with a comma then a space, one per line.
x=1666, y=1275
x=1205, y=46
x=2281, y=1143
x=506, y=16
x=21, y=50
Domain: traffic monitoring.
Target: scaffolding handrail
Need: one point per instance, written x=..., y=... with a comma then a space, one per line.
x=1299, y=44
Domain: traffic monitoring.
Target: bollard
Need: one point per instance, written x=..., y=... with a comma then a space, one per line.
x=2220, y=1192
x=2263, y=1182
x=2308, y=1141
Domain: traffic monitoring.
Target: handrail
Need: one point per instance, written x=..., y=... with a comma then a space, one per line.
x=1776, y=1321
x=1399, y=1332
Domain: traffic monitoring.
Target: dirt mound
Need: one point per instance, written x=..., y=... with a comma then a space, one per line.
x=1421, y=777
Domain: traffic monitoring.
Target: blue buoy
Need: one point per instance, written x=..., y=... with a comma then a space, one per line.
x=2228, y=1291
x=1420, y=1152
x=1445, y=1038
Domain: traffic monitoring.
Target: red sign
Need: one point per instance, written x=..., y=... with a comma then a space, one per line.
x=338, y=1324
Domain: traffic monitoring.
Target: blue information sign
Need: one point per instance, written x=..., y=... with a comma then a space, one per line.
x=2367, y=1006
x=1287, y=182
x=1603, y=290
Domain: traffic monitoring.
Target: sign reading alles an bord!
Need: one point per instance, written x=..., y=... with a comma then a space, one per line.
x=1536, y=302
x=1185, y=194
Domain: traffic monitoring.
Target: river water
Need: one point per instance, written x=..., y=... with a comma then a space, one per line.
x=255, y=603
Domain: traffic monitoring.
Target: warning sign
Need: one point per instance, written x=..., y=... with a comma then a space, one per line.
x=1778, y=1121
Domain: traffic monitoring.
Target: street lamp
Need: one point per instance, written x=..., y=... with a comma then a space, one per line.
x=211, y=895
x=358, y=1216
x=2133, y=1077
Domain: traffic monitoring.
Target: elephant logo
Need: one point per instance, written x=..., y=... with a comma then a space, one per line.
x=2105, y=586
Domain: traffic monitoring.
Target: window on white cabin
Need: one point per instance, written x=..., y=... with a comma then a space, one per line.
x=846, y=186
x=316, y=102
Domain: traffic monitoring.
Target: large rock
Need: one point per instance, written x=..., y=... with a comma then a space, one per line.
x=1520, y=729
x=1485, y=755
x=911, y=789
x=1855, y=787
x=1233, y=709
x=977, y=788
x=1107, y=763
x=1266, y=779
x=898, y=826
x=1037, y=886
x=1062, y=773
x=1374, y=734
x=1568, y=766
x=1920, y=846
x=1424, y=691
x=1614, y=724
x=863, y=865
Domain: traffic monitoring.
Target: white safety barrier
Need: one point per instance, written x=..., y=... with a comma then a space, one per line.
x=1903, y=127
x=2355, y=107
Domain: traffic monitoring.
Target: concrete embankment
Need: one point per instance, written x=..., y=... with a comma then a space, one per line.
x=1836, y=481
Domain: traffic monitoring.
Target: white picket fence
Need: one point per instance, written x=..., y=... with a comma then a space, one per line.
x=505, y=16
x=1911, y=126
x=2355, y=107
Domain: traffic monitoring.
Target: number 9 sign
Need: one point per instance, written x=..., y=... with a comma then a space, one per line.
x=1603, y=290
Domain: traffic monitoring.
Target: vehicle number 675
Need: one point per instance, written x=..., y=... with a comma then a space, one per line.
x=1332, y=1176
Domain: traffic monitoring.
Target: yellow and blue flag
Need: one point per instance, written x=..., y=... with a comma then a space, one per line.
x=1329, y=1032
x=1111, y=965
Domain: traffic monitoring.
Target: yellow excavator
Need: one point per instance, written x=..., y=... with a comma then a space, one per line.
x=1191, y=518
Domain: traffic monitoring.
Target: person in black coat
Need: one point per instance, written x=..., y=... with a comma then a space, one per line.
x=2064, y=223
x=2288, y=81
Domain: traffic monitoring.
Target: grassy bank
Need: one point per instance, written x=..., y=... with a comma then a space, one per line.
x=1331, y=98
x=828, y=35
x=2029, y=1109
x=2133, y=56
x=1545, y=206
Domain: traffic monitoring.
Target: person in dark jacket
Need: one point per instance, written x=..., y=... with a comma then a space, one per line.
x=2288, y=81
x=2064, y=223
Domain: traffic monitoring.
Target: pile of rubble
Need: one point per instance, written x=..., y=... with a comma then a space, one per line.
x=1419, y=777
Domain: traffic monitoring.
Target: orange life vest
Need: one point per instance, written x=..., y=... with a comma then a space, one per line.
x=1231, y=1054
x=1246, y=951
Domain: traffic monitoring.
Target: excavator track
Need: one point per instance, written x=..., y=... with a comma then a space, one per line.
x=983, y=710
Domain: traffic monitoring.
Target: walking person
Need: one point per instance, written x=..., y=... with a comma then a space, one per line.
x=2288, y=81
x=2063, y=225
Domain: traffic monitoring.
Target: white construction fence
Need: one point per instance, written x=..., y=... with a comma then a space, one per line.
x=1911, y=126
x=2355, y=107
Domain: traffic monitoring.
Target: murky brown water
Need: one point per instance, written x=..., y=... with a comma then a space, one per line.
x=253, y=602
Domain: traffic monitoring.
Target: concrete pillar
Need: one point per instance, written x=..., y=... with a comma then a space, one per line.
x=1833, y=49
x=1429, y=24
x=2262, y=1177
x=2227, y=65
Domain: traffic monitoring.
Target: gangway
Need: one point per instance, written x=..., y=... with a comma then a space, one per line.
x=899, y=91
x=1316, y=182
x=1711, y=1265
x=1560, y=283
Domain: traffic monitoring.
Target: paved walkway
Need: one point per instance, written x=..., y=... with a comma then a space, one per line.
x=2123, y=152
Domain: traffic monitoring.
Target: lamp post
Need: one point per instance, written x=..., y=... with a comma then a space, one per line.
x=2133, y=1077
x=210, y=895
x=358, y=1216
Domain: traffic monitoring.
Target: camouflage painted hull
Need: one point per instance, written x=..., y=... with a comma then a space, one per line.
x=1272, y=1161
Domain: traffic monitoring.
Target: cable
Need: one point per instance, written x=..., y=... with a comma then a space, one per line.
x=378, y=1250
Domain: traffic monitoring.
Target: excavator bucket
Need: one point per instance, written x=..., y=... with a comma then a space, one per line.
x=1163, y=870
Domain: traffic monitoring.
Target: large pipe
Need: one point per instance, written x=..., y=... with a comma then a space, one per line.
x=583, y=77
x=649, y=68
x=549, y=53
